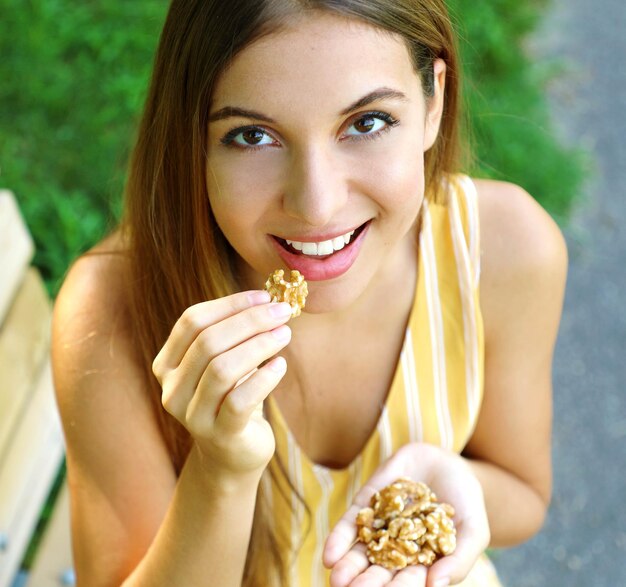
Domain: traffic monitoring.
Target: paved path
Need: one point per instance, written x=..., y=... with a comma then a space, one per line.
x=583, y=543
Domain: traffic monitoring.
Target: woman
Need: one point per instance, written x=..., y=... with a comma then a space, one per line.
x=319, y=136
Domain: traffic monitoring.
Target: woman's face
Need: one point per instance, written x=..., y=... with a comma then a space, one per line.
x=317, y=131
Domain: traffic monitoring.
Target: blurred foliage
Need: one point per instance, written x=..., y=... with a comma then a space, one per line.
x=74, y=76
x=510, y=129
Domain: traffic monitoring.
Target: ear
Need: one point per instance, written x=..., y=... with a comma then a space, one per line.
x=434, y=104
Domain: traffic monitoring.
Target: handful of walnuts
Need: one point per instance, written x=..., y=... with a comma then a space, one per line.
x=405, y=525
x=293, y=291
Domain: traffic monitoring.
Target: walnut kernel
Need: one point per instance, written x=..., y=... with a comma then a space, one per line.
x=405, y=525
x=293, y=291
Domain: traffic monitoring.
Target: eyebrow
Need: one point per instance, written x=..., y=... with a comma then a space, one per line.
x=375, y=96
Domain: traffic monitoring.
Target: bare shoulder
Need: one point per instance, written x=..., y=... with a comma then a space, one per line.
x=515, y=230
x=522, y=247
x=90, y=318
x=93, y=286
x=100, y=378
x=94, y=360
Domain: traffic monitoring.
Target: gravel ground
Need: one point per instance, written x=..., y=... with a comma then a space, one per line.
x=583, y=543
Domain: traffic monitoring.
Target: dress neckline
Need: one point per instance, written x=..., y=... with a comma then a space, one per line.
x=279, y=421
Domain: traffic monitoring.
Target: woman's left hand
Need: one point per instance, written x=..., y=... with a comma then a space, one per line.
x=451, y=478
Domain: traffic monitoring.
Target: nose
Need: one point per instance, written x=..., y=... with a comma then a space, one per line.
x=316, y=188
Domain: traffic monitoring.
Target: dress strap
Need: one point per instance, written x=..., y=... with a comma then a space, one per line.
x=464, y=211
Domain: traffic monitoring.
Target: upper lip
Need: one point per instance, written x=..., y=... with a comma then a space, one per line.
x=319, y=238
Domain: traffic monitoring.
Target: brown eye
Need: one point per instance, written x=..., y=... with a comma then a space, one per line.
x=247, y=137
x=371, y=125
x=253, y=136
x=365, y=124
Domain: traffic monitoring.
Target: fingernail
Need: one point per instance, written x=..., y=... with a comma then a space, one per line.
x=278, y=365
x=331, y=554
x=280, y=310
x=444, y=582
x=257, y=298
x=282, y=333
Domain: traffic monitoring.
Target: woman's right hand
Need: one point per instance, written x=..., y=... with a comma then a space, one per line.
x=211, y=380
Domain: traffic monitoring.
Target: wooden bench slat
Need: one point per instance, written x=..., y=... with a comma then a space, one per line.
x=31, y=440
x=16, y=249
x=24, y=344
x=54, y=557
x=30, y=467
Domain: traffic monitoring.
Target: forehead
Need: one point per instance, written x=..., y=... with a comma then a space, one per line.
x=313, y=57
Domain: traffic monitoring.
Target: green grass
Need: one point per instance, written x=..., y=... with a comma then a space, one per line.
x=74, y=77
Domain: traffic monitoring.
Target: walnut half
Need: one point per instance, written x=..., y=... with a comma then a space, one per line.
x=405, y=525
x=293, y=291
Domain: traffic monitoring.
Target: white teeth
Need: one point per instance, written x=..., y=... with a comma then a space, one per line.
x=309, y=248
x=323, y=248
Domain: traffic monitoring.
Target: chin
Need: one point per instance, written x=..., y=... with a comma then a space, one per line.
x=326, y=297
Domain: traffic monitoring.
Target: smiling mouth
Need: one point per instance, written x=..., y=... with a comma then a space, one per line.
x=321, y=250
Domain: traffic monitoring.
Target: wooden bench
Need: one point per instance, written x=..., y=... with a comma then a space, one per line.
x=31, y=441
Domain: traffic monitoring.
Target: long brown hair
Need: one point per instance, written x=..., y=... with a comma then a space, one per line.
x=178, y=256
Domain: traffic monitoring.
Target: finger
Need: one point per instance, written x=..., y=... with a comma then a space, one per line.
x=207, y=353
x=472, y=540
x=197, y=318
x=225, y=371
x=374, y=576
x=344, y=533
x=411, y=576
x=229, y=333
x=350, y=566
x=246, y=377
x=239, y=405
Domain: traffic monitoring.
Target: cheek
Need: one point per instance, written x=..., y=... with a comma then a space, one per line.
x=239, y=183
x=240, y=200
x=230, y=203
x=398, y=182
x=241, y=194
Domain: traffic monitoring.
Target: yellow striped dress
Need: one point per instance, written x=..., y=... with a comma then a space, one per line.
x=435, y=395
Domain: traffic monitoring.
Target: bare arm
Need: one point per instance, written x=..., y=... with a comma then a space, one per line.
x=206, y=530
x=133, y=522
x=523, y=274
